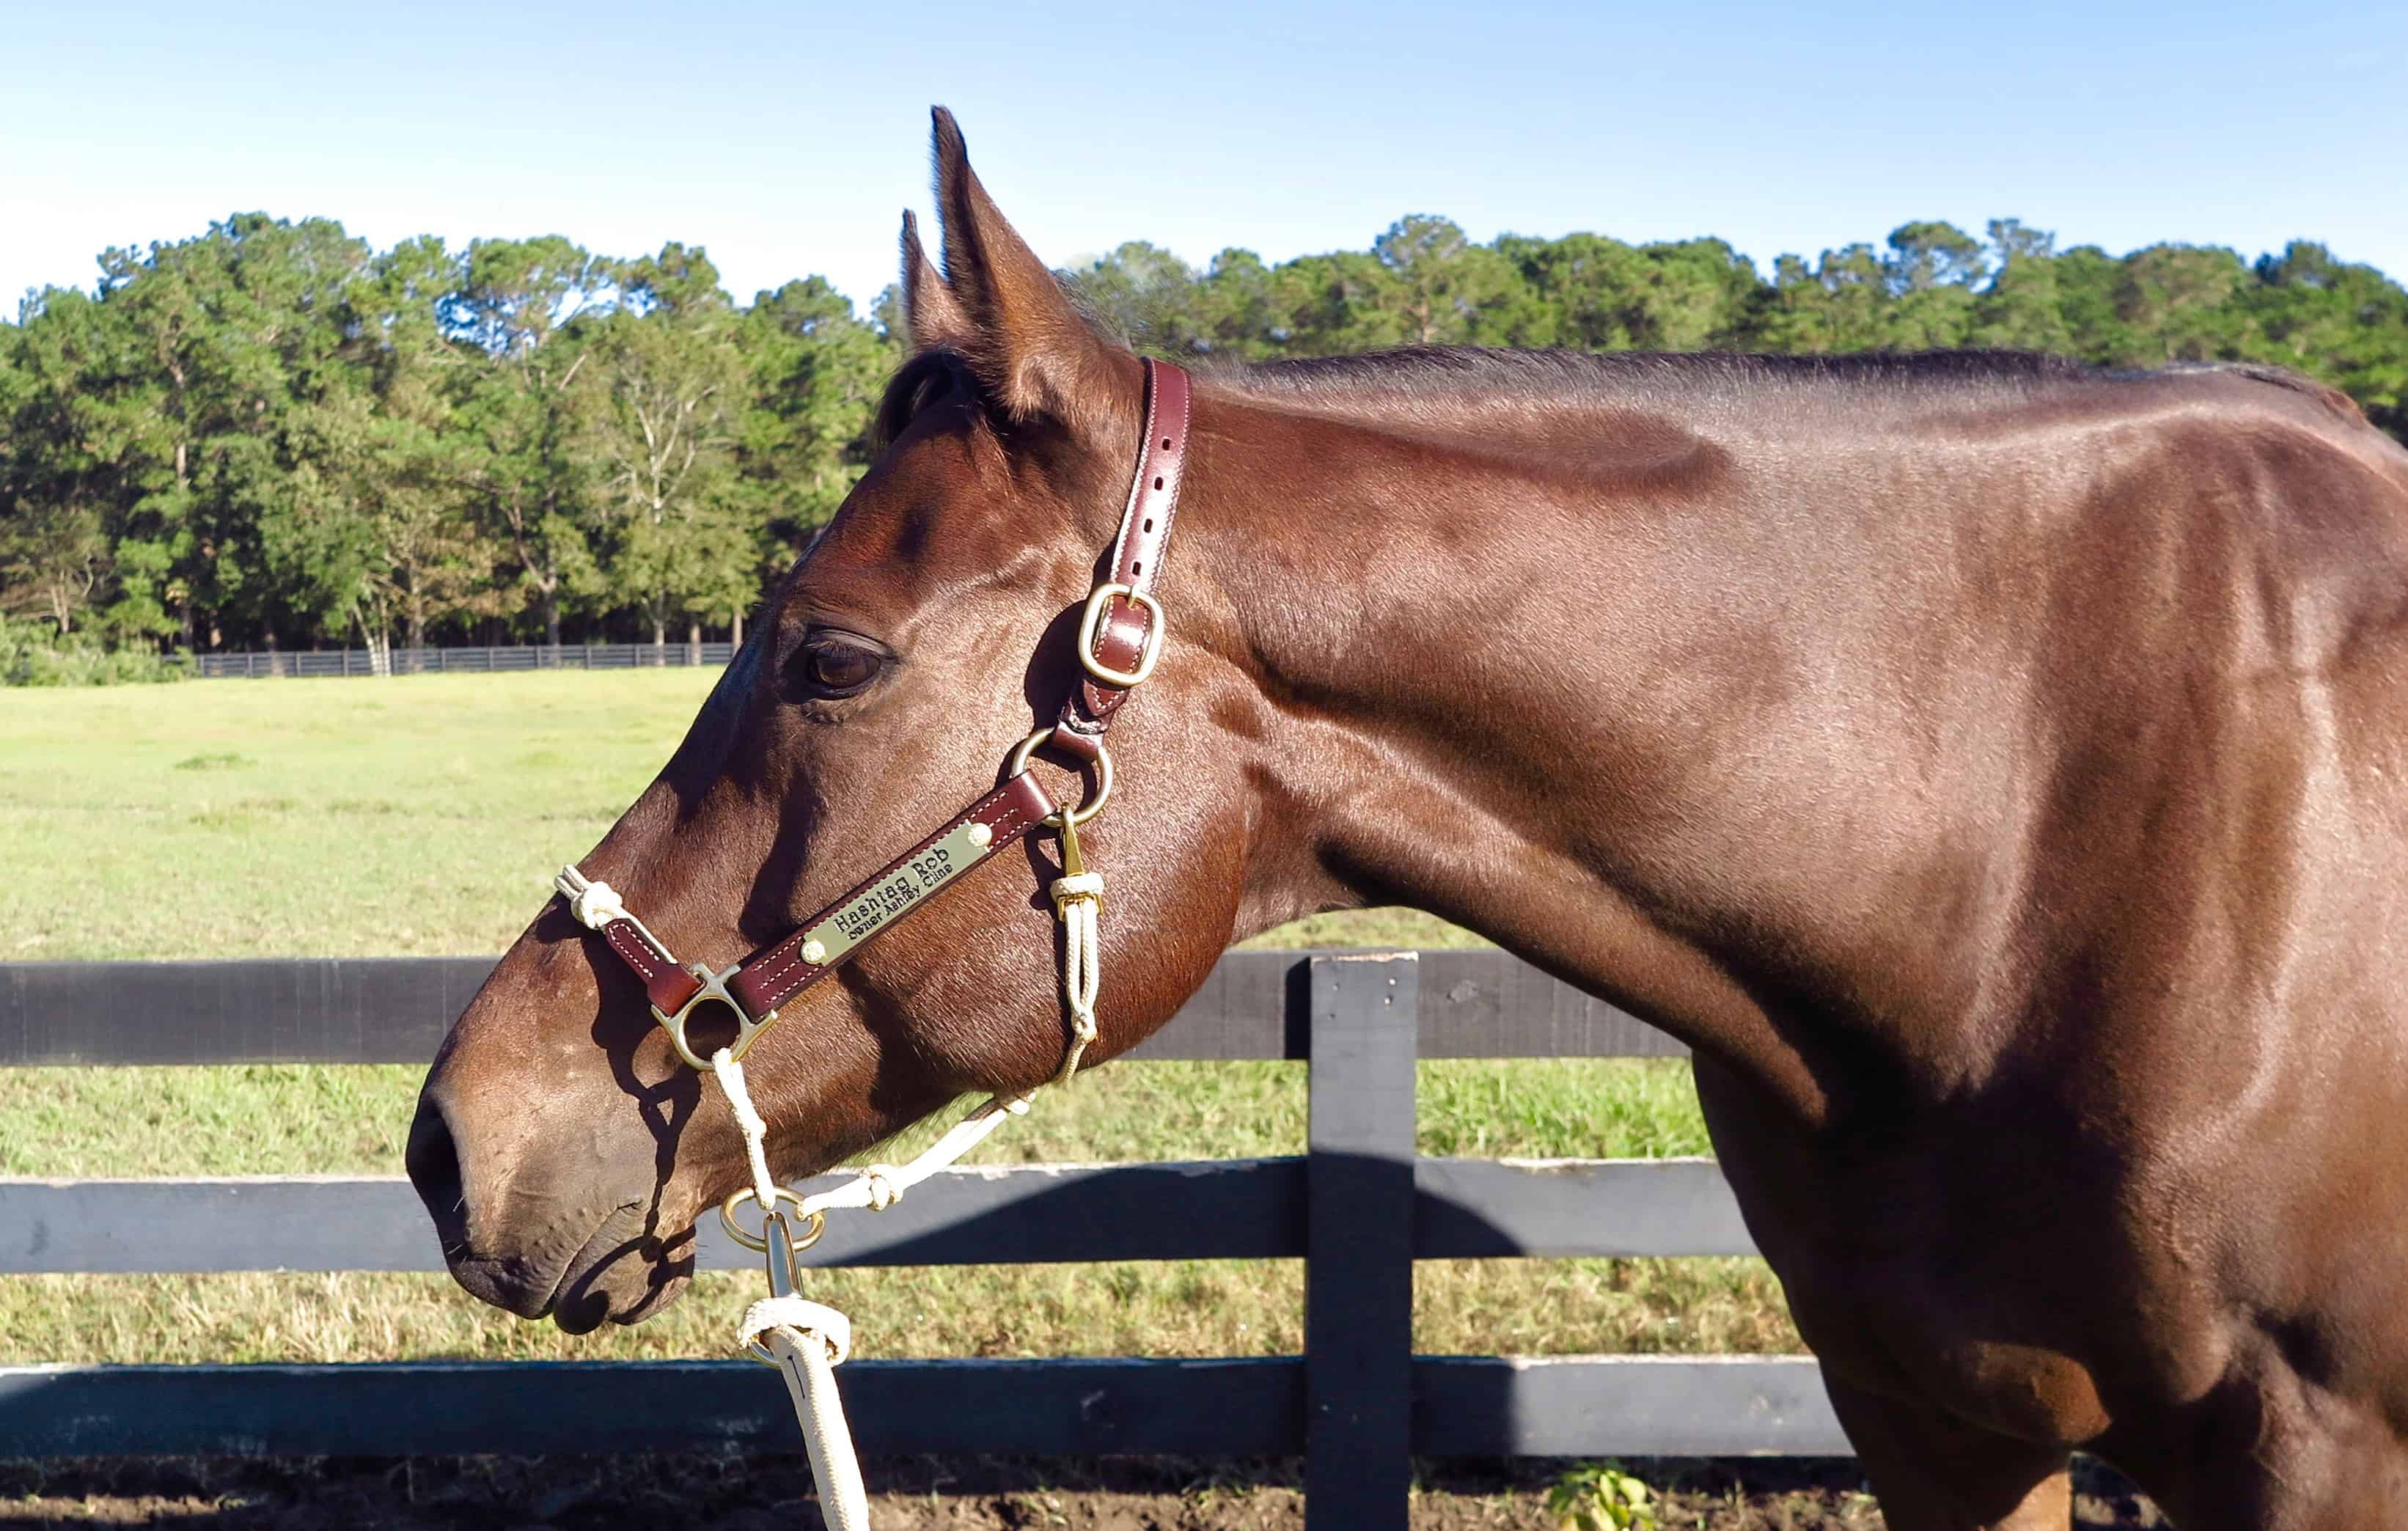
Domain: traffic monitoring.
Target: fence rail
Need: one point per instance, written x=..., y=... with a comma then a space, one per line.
x=302, y=664
x=1461, y=1406
x=1472, y=1004
x=1359, y=1207
x=1019, y=1214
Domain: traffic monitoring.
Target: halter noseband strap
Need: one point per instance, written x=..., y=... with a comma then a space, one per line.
x=1120, y=639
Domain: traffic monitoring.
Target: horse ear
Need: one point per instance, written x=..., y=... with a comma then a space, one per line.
x=930, y=310
x=1029, y=344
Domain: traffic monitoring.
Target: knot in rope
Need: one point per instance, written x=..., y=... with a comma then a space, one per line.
x=881, y=1188
x=806, y=1320
x=1079, y=885
x=595, y=904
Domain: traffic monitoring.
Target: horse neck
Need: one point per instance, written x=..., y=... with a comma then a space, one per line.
x=1588, y=682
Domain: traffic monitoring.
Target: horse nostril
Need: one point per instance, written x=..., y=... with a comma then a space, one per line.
x=433, y=1160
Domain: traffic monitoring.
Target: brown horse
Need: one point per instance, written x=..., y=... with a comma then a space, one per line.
x=1996, y=771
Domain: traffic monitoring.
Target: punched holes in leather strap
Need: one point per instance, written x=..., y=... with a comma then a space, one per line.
x=1124, y=628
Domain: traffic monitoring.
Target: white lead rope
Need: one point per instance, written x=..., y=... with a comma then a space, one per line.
x=807, y=1361
x=756, y=1132
x=808, y=1340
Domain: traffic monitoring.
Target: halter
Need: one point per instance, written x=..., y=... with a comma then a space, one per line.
x=1120, y=641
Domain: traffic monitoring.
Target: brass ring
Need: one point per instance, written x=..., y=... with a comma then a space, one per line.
x=815, y=1221
x=1084, y=811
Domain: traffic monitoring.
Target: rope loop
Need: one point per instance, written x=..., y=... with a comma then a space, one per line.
x=1078, y=903
x=1084, y=885
x=805, y=1319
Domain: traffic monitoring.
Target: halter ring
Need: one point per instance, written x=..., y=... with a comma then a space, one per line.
x=815, y=1221
x=1084, y=811
x=714, y=988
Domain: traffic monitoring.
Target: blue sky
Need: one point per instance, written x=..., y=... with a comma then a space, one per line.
x=786, y=138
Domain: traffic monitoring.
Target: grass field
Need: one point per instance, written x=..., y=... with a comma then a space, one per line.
x=424, y=815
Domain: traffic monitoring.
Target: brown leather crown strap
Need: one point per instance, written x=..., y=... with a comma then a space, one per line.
x=1119, y=641
x=1123, y=633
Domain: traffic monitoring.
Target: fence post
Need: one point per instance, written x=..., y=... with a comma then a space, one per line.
x=1358, y=1283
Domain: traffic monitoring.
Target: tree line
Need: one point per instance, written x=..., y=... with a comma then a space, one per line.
x=272, y=435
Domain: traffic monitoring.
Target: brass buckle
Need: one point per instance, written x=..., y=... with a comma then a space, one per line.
x=714, y=986
x=1148, y=653
x=1084, y=811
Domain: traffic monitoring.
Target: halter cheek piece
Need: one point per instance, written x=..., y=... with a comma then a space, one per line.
x=1120, y=639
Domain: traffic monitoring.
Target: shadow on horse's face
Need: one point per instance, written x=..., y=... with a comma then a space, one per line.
x=561, y=1146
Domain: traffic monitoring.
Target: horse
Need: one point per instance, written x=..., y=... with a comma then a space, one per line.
x=1994, y=769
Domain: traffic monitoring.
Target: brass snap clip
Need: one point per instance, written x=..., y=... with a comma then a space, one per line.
x=783, y=1249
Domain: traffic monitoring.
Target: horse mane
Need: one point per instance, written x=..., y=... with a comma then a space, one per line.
x=1424, y=371
x=1455, y=372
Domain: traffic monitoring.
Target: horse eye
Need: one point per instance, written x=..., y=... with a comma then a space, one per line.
x=833, y=667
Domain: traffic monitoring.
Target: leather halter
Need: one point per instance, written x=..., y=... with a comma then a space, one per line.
x=1120, y=639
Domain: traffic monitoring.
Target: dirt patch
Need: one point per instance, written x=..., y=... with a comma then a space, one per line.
x=773, y=1493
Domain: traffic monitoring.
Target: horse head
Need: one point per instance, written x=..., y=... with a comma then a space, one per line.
x=561, y=1144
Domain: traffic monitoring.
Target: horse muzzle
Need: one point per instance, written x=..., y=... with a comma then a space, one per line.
x=546, y=1233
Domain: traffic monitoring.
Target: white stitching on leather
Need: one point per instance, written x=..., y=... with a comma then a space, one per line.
x=618, y=935
x=788, y=961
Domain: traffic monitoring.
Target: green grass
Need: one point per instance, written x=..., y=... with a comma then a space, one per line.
x=287, y=1119
x=420, y=815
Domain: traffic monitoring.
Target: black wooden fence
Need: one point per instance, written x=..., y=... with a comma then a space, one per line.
x=302, y=664
x=1359, y=1207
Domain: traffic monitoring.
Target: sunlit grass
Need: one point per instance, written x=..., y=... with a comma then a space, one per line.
x=1166, y=1308
x=419, y=814
x=287, y=1119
